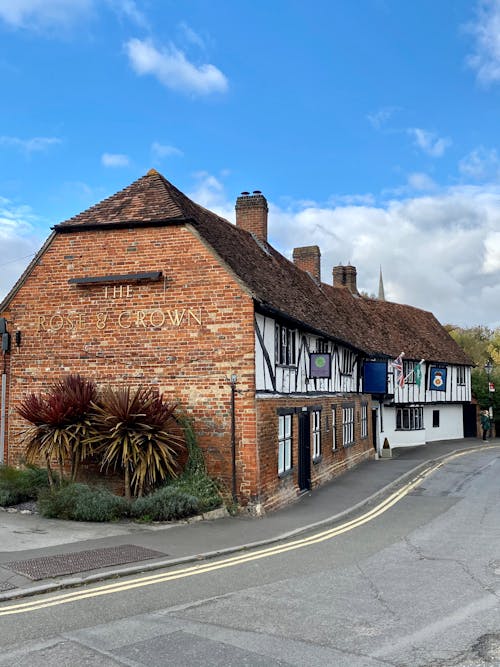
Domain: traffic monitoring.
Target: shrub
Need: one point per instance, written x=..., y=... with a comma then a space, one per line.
x=17, y=485
x=194, y=480
x=80, y=502
x=165, y=504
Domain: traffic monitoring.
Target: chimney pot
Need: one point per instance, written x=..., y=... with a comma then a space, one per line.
x=308, y=258
x=251, y=214
x=345, y=276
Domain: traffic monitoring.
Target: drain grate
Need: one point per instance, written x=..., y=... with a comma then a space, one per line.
x=81, y=561
x=5, y=586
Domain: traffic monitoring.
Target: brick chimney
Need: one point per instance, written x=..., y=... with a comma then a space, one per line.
x=251, y=213
x=308, y=259
x=345, y=276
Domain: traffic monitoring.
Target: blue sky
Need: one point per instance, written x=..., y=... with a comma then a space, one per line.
x=370, y=126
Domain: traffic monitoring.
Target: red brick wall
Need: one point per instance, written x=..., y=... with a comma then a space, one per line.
x=185, y=335
x=278, y=491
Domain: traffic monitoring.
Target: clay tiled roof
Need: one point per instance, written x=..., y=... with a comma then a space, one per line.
x=276, y=284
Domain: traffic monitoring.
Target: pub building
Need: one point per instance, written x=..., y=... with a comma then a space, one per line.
x=288, y=380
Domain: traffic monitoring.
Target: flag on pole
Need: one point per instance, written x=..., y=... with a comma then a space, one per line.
x=418, y=373
x=397, y=366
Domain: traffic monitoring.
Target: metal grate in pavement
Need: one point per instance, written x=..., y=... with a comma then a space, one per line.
x=5, y=586
x=81, y=561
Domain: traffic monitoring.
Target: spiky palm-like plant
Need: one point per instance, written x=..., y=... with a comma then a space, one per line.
x=136, y=431
x=59, y=423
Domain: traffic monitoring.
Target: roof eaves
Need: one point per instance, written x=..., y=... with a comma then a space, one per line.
x=266, y=308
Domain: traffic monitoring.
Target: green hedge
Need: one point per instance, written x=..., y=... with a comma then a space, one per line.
x=165, y=504
x=80, y=502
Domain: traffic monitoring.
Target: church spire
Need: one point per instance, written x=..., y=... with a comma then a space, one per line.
x=381, y=293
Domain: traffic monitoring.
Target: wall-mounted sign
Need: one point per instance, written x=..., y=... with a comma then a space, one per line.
x=375, y=377
x=437, y=378
x=320, y=365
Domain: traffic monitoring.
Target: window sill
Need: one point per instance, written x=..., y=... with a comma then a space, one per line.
x=409, y=430
x=318, y=459
x=286, y=473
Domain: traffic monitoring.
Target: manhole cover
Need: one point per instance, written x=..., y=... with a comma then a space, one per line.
x=81, y=561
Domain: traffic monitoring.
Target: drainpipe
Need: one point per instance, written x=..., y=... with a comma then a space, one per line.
x=233, y=437
x=2, y=412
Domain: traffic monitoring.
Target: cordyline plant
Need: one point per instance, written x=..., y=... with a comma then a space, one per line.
x=136, y=431
x=60, y=424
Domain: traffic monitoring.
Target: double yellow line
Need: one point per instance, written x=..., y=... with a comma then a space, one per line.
x=247, y=557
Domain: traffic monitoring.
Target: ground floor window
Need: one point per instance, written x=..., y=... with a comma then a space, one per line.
x=364, y=420
x=348, y=426
x=284, y=443
x=435, y=418
x=410, y=419
x=316, y=433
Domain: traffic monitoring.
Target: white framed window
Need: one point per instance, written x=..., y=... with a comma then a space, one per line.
x=316, y=433
x=410, y=419
x=285, y=346
x=364, y=420
x=334, y=428
x=348, y=426
x=284, y=443
x=409, y=371
x=461, y=375
x=347, y=362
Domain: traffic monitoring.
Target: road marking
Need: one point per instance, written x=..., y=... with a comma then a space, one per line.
x=195, y=570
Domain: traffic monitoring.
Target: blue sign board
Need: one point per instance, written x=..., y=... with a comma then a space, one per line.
x=375, y=377
x=437, y=378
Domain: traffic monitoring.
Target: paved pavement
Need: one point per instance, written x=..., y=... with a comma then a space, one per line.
x=38, y=555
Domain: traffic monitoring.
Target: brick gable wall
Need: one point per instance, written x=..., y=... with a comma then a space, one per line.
x=185, y=334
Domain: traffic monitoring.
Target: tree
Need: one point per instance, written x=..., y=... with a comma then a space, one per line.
x=136, y=431
x=59, y=424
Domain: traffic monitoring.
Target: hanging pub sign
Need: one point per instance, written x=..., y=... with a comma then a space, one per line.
x=320, y=365
x=437, y=378
x=375, y=377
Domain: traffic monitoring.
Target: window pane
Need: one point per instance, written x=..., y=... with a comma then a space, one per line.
x=281, y=457
x=288, y=426
x=288, y=454
x=281, y=427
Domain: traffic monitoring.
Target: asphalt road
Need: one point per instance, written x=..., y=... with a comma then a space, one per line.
x=415, y=584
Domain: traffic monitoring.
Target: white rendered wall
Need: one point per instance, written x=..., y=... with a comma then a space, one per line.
x=450, y=427
x=451, y=424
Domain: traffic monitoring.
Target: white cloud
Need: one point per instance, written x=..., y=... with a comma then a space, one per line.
x=33, y=145
x=164, y=150
x=480, y=164
x=129, y=9
x=420, y=181
x=18, y=241
x=439, y=251
x=191, y=36
x=379, y=118
x=429, y=142
x=171, y=67
x=115, y=160
x=486, y=30
x=210, y=193
x=44, y=14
